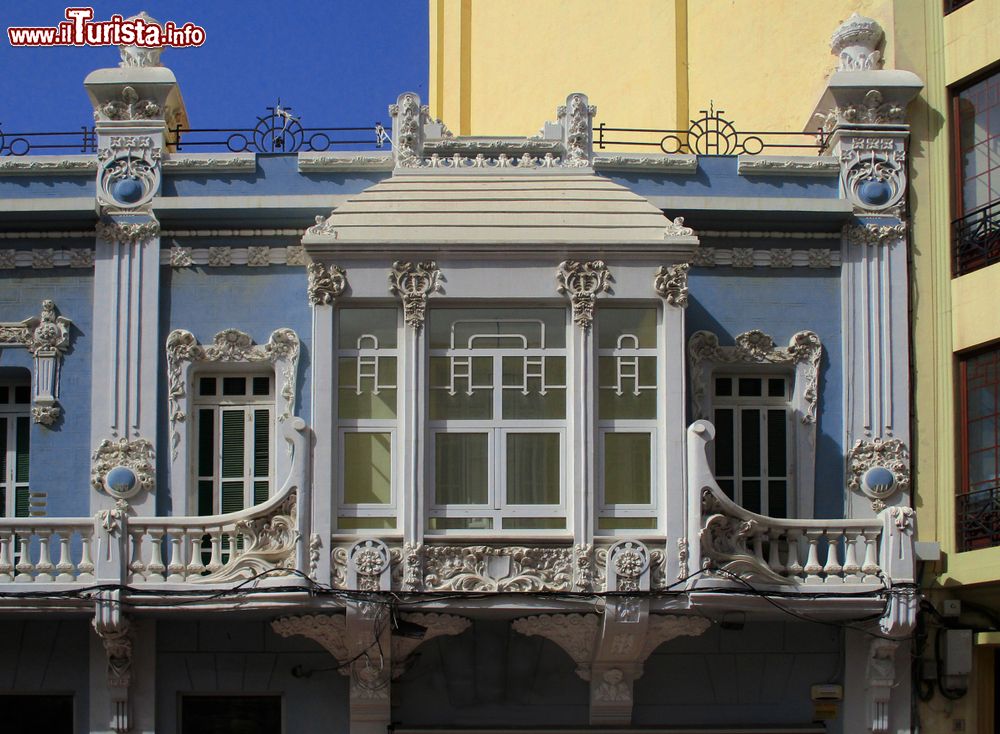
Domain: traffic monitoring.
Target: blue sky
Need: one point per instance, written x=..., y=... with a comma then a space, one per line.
x=335, y=62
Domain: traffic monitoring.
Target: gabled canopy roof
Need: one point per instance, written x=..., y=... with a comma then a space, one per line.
x=490, y=210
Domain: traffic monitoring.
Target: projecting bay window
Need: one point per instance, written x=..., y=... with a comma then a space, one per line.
x=977, y=504
x=234, y=440
x=366, y=417
x=15, y=431
x=753, y=447
x=497, y=419
x=627, y=413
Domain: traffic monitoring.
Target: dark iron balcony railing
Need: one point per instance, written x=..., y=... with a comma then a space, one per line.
x=952, y=5
x=976, y=239
x=17, y=144
x=977, y=516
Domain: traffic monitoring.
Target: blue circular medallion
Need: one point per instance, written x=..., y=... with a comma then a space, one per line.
x=874, y=192
x=121, y=481
x=879, y=480
x=127, y=190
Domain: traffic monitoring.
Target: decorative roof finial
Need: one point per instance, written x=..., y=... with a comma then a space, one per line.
x=856, y=42
x=133, y=56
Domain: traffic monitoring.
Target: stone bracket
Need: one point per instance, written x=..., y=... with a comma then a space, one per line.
x=47, y=338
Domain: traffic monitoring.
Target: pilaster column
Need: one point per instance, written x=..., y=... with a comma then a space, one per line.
x=134, y=105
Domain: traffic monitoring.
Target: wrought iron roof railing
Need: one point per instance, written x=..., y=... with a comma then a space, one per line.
x=710, y=134
x=976, y=239
x=977, y=518
x=17, y=144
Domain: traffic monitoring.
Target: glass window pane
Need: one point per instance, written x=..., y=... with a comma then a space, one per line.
x=460, y=523
x=364, y=523
x=206, y=443
x=367, y=468
x=234, y=386
x=461, y=468
x=22, y=394
x=724, y=442
x=751, y=495
x=776, y=387
x=628, y=405
x=777, y=499
x=356, y=323
x=461, y=405
x=262, y=386
x=626, y=523
x=481, y=328
x=749, y=387
x=533, y=523
x=206, y=497
x=353, y=403
x=724, y=386
x=627, y=459
x=22, y=439
x=533, y=468
x=750, y=443
x=777, y=443
x=206, y=386
x=613, y=324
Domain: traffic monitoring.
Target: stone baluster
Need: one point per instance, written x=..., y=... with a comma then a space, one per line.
x=24, y=565
x=155, y=567
x=794, y=567
x=813, y=568
x=215, y=562
x=774, y=551
x=832, y=567
x=136, y=566
x=195, y=567
x=86, y=564
x=65, y=566
x=176, y=565
x=851, y=568
x=758, y=546
x=6, y=565
x=45, y=566
x=871, y=568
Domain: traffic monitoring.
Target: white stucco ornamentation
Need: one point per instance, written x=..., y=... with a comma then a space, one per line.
x=116, y=635
x=683, y=555
x=878, y=469
x=874, y=234
x=408, y=117
x=881, y=679
x=671, y=284
x=269, y=545
x=676, y=228
x=180, y=257
x=129, y=174
x=414, y=283
x=140, y=56
x=295, y=255
x=326, y=283
x=46, y=337
x=576, y=116
x=43, y=258
x=820, y=258
x=129, y=107
x=486, y=568
x=258, y=257
x=368, y=563
x=576, y=634
x=230, y=345
x=137, y=455
x=220, y=257
x=873, y=172
x=81, y=258
x=582, y=282
x=781, y=258
x=127, y=233
x=804, y=349
x=329, y=630
x=856, y=43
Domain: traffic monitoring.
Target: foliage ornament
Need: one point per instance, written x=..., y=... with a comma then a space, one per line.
x=856, y=42
x=129, y=173
x=413, y=283
x=503, y=569
x=878, y=469
x=136, y=455
x=326, y=283
x=583, y=282
x=46, y=337
x=671, y=284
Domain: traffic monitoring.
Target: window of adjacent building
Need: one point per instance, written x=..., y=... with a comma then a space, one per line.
x=497, y=418
x=366, y=417
x=626, y=413
x=258, y=714
x=978, y=500
x=15, y=437
x=234, y=440
x=976, y=117
x=753, y=420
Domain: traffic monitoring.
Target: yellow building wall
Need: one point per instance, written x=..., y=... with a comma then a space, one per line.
x=975, y=303
x=971, y=39
x=502, y=66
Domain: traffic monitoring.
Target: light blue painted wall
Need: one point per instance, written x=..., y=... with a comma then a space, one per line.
x=254, y=300
x=27, y=187
x=728, y=302
x=275, y=175
x=60, y=456
x=234, y=657
x=718, y=176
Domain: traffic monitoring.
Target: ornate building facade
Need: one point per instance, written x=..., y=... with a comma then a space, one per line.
x=476, y=432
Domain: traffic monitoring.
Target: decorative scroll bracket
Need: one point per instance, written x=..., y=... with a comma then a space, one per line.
x=47, y=338
x=116, y=633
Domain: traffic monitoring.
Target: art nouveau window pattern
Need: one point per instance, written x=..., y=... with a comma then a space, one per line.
x=752, y=422
x=234, y=440
x=15, y=432
x=366, y=417
x=497, y=419
x=627, y=413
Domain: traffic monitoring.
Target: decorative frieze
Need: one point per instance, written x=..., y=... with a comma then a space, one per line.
x=47, y=165
x=258, y=257
x=42, y=258
x=408, y=117
x=129, y=175
x=779, y=165
x=269, y=545
x=576, y=118
x=183, y=256
x=326, y=283
x=313, y=162
x=874, y=234
x=211, y=163
x=127, y=233
x=878, y=469
x=664, y=162
x=746, y=257
x=582, y=282
x=414, y=283
x=129, y=107
x=487, y=568
x=180, y=257
x=670, y=283
x=221, y=257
